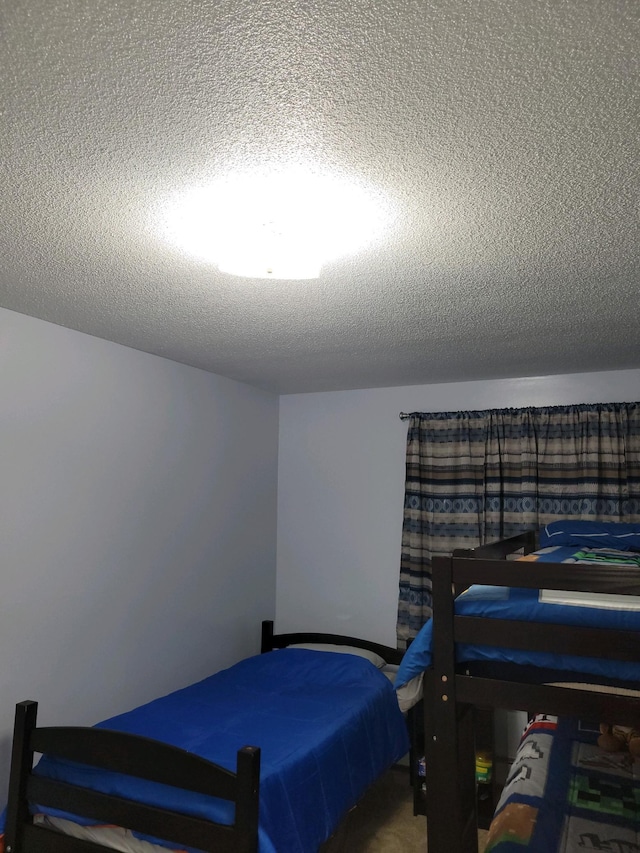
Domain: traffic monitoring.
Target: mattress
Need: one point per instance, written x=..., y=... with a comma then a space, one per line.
x=327, y=724
x=566, y=795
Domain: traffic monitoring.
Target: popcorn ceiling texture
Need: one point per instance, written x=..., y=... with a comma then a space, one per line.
x=504, y=134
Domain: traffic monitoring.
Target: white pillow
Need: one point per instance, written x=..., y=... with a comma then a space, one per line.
x=375, y=659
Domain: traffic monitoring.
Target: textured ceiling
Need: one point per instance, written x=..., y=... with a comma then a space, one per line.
x=503, y=133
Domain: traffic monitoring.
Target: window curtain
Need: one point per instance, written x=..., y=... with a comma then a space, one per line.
x=474, y=477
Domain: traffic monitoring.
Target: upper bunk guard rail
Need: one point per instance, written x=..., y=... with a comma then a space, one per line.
x=271, y=641
x=526, y=541
x=580, y=577
x=449, y=629
x=532, y=636
x=132, y=755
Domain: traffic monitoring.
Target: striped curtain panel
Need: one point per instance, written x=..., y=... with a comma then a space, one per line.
x=474, y=477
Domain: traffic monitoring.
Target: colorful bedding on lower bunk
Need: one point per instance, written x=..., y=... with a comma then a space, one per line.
x=327, y=725
x=566, y=795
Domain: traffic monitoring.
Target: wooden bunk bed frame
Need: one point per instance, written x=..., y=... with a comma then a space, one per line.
x=452, y=692
x=145, y=758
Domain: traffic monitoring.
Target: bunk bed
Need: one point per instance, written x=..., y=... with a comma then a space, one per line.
x=184, y=771
x=478, y=652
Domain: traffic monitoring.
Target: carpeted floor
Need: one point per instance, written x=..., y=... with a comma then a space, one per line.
x=383, y=822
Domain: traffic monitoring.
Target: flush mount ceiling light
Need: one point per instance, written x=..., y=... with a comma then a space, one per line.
x=281, y=223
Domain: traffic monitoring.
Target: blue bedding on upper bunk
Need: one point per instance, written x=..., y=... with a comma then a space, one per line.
x=327, y=725
x=524, y=605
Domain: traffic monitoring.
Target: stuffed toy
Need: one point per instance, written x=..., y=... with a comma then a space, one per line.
x=615, y=738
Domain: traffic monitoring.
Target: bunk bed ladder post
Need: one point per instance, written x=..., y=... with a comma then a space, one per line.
x=450, y=803
x=248, y=797
x=21, y=766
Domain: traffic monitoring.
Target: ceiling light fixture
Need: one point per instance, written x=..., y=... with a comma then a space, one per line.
x=280, y=223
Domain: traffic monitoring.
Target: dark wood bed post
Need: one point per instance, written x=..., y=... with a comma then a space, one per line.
x=266, y=644
x=21, y=764
x=247, y=806
x=451, y=804
x=452, y=820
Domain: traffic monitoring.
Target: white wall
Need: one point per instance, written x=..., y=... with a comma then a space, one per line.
x=341, y=484
x=137, y=523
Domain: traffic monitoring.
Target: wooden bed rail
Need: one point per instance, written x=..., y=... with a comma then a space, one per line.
x=527, y=541
x=620, y=580
x=550, y=699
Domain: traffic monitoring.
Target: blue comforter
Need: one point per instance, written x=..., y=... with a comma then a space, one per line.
x=524, y=605
x=327, y=724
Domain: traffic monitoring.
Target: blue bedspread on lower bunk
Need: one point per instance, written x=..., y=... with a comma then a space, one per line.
x=524, y=605
x=327, y=725
x=566, y=795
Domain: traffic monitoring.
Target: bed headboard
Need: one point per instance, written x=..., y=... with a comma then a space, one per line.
x=272, y=641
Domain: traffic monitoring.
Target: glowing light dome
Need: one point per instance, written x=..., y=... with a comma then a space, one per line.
x=282, y=223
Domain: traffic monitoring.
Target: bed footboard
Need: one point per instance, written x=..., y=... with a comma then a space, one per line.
x=134, y=756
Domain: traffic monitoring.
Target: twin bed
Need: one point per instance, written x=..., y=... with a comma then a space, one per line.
x=513, y=639
x=270, y=755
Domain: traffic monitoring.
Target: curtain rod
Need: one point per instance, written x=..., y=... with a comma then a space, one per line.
x=571, y=407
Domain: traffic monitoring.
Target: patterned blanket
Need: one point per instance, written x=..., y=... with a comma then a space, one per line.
x=566, y=795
